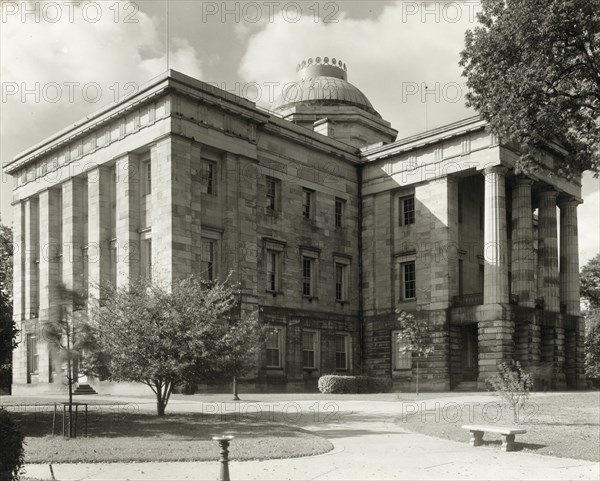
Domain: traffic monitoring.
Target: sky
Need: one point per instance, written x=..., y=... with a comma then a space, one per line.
x=62, y=60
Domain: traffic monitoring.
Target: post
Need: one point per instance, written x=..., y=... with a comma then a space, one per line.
x=235, y=391
x=224, y=443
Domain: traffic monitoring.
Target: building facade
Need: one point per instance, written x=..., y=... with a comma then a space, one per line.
x=329, y=224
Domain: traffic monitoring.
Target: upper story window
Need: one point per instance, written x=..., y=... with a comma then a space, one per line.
x=407, y=210
x=307, y=276
x=32, y=354
x=308, y=199
x=209, y=170
x=146, y=259
x=340, y=282
x=272, y=271
x=147, y=176
x=208, y=263
x=340, y=205
x=409, y=284
x=273, y=193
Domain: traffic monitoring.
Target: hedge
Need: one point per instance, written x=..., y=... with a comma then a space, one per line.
x=11, y=447
x=354, y=384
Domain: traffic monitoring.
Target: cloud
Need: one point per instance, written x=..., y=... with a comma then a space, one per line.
x=55, y=72
x=390, y=58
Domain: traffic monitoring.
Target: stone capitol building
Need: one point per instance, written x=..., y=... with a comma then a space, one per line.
x=329, y=222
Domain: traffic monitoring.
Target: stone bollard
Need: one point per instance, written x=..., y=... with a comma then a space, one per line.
x=224, y=443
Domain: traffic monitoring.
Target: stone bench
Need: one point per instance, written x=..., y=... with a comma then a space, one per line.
x=508, y=435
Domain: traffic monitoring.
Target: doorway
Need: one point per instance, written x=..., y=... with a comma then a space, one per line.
x=469, y=353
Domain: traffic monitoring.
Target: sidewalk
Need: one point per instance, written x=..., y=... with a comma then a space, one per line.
x=368, y=444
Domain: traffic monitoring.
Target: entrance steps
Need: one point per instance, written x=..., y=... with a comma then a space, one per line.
x=84, y=389
x=466, y=386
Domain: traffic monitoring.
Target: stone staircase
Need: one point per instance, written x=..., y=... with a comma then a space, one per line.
x=466, y=386
x=84, y=389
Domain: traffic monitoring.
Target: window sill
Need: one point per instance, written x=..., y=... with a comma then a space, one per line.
x=274, y=368
x=341, y=301
x=310, y=298
x=272, y=212
x=275, y=293
x=310, y=369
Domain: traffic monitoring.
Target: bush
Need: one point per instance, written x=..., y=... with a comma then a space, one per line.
x=11, y=447
x=353, y=384
x=187, y=388
x=513, y=385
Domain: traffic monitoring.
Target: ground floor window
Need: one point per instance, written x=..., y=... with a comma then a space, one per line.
x=342, y=349
x=401, y=357
x=32, y=354
x=274, y=347
x=309, y=349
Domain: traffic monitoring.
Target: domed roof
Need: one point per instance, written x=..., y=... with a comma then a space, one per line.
x=322, y=82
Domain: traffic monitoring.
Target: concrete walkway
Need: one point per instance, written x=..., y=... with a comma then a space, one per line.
x=369, y=443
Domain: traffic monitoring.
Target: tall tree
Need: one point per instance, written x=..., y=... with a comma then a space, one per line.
x=590, y=282
x=590, y=291
x=533, y=71
x=165, y=336
x=8, y=328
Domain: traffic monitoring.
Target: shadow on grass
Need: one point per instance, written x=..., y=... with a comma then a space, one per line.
x=518, y=446
x=347, y=433
x=184, y=427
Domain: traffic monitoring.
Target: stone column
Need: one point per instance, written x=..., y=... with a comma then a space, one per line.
x=495, y=289
x=19, y=359
x=74, y=235
x=171, y=208
x=523, y=273
x=32, y=279
x=98, y=186
x=50, y=206
x=548, y=251
x=128, y=219
x=569, y=256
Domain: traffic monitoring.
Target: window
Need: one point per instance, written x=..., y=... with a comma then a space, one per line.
x=207, y=264
x=32, y=354
x=147, y=173
x=342, y=342
x=409, y=288
x=309, y=349
x=340, y=282
x=339, y=211
x=402, y=357
x=209, y=177
x=147, y=259
x=407, y=210
x=307, y=276
x=461, y=276
x=113, y=263
x=273, y=188
x=274, y=347
x=272, y=271
x=307, y=203
x=460, y=208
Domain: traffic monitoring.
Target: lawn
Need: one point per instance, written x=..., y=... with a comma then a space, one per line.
x=563, y=425
x=118, y=434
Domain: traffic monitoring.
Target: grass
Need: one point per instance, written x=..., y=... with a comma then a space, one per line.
x=121, y=436
x=563, y=425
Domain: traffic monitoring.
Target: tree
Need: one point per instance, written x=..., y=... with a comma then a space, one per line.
x=70, y=334
x=590, y=282
x=8, y=328
x=513, y=385
x=415, y=337
x=533, y=72
x=592, y=344
x=12, y=456
x=165, y=336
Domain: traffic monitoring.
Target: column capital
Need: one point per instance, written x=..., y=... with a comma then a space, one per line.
x=523, y=180
x=495, y=169
x=568, y=202
x=549, y=193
